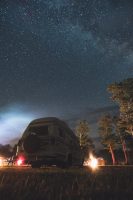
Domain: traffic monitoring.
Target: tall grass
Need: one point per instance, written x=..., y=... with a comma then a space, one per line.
x=72, y=184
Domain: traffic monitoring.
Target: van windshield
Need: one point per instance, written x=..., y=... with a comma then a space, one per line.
x=39, y=130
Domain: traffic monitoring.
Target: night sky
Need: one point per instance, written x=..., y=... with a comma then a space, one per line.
x=57, y=58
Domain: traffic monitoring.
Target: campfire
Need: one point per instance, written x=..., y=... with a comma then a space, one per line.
x=91, y=162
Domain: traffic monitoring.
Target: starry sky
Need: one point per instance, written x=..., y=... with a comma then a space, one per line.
x=57, y=58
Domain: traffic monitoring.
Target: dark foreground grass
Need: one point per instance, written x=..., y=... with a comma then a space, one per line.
x=73, y=184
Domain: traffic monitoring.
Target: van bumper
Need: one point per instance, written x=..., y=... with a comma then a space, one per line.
x=47, y=159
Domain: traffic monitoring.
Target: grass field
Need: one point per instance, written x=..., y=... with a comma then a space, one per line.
x=72, y=184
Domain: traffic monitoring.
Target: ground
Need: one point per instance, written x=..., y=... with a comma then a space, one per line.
x=24, y=183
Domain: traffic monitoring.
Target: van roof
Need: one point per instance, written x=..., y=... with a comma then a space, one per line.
x=48, y=119
x=55, y=120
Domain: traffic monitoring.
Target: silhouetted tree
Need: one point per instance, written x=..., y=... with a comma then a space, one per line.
x=108, y=138
x=121, y=134
x=82, y=132
x=122, y=93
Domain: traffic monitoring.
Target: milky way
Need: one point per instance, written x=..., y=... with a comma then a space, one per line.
x=60, y=55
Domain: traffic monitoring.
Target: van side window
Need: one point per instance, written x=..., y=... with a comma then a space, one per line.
x=40, y=130
x=61, y=133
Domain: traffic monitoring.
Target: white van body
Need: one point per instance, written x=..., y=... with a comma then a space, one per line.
x=49, y=141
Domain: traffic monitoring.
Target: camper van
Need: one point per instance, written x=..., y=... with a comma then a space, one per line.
x=49, y=141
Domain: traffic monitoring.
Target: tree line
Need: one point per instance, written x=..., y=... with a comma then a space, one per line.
x=114, y=131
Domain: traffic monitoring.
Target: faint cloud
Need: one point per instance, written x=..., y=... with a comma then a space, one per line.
x=13, y=121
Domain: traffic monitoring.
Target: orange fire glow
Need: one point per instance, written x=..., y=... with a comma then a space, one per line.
x=91, y=162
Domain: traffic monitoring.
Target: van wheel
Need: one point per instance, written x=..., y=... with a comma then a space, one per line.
x=67, y=163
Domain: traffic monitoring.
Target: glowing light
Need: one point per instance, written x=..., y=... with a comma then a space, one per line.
x=91, y=162
x=101, y=161
x=1, y=162
x=20, y=161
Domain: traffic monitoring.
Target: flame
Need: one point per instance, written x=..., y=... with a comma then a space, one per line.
x=91, y=162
